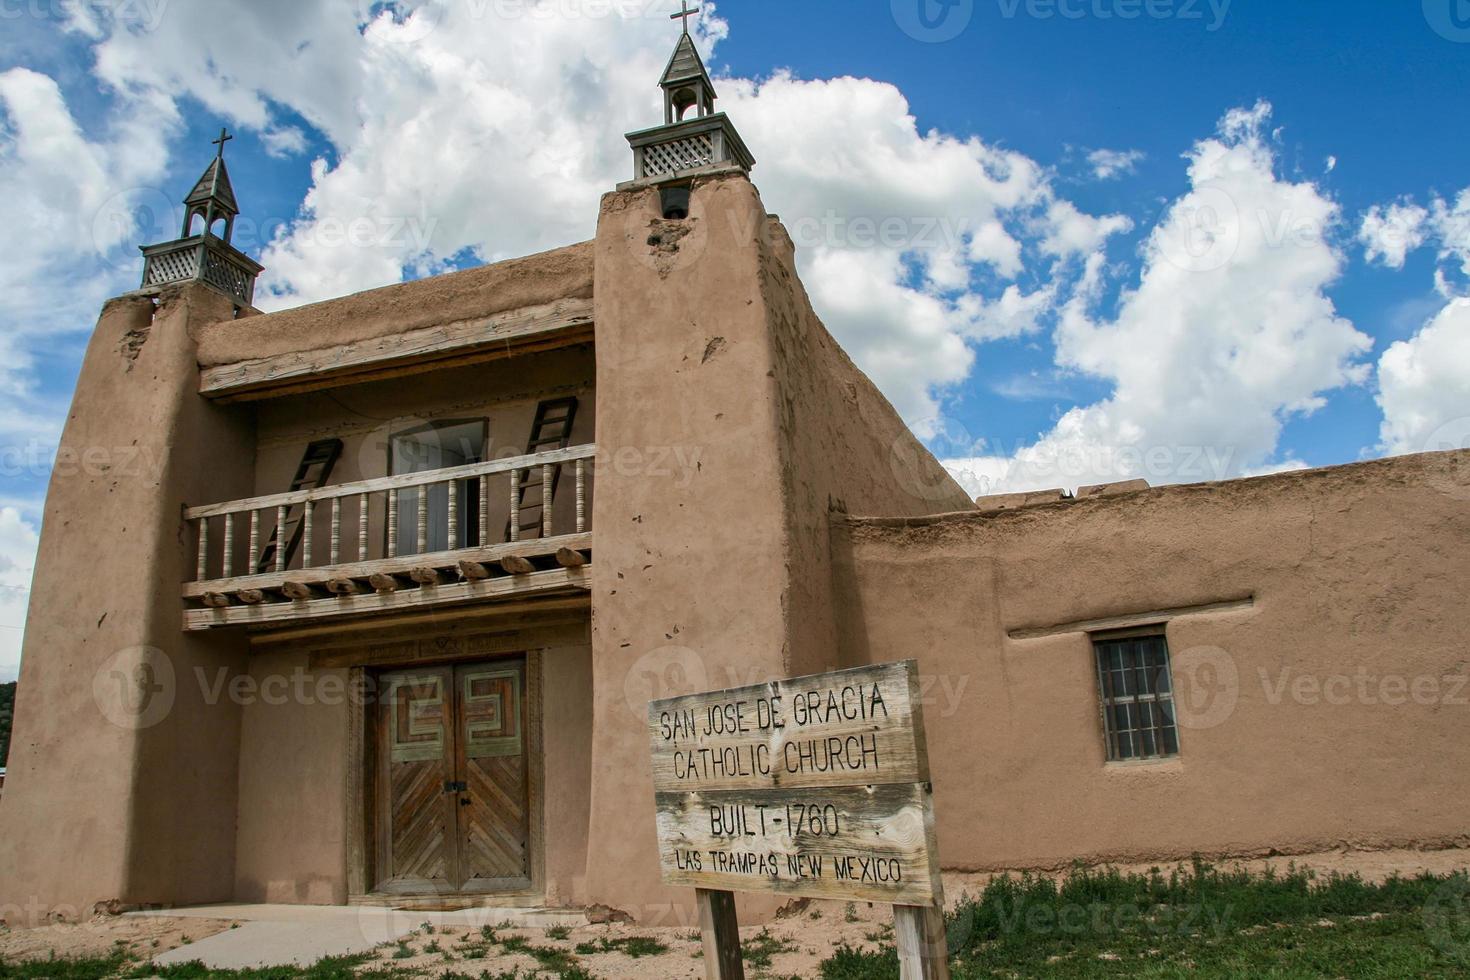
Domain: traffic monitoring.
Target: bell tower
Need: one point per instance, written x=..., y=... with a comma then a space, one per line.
x=207, y=254
x=686, y=146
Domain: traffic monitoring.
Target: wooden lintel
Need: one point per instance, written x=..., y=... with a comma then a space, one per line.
x=515, y=332
x=447, y=560
x=558, y=580
x=516, y=565
x=535, y=611
x=1131, y=620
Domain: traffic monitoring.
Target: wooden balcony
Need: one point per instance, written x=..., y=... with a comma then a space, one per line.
x=505, y=529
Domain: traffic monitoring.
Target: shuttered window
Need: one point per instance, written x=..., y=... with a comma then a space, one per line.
x=1137, y=697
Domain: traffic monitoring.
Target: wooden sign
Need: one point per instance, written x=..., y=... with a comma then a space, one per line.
x=814, y=787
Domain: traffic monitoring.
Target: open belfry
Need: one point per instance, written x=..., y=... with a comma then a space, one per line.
x=375, y=614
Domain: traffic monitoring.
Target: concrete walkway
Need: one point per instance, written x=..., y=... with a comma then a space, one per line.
x=300, y=935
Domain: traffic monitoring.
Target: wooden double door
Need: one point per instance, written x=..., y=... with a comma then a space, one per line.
x=451, y=807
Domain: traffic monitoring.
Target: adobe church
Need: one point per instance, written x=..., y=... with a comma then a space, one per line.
x=369, y=598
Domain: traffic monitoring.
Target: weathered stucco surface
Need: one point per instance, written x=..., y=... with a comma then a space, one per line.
x=1355, y=571
x=535, y=280
x=708, y=350
x=128, y=804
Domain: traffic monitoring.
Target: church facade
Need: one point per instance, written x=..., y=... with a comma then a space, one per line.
x=364, y=601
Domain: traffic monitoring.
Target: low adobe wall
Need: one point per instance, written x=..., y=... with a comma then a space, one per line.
x=1325, y=705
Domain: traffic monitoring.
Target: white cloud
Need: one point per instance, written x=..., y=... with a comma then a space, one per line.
x=1110, y=164
x=491, y=130
x=1228, y=333
x=1451, y=223
x=17, y=555
x=1424, y=385
x=1390, y=234
x=69, y=218
x=286, y=141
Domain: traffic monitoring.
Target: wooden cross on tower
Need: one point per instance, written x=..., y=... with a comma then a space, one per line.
x=224, y=137
x=684, y=14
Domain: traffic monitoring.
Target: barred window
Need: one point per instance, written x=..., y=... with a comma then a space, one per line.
x=1137, y=697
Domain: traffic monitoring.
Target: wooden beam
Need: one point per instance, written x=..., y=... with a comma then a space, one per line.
x=297, y=590
x=498, y=642
x=392, y=566
x=537, y=611
x=383, y=582
x=556, y=580
x=720, y=928
x=1130, y=620
x=923, y=950
x=569, y=558
x=515, y=332
x=516, y=565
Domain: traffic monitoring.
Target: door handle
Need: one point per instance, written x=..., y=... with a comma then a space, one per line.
x=464, y=801
x=453, y=787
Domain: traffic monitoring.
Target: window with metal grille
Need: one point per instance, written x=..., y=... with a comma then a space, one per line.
x=1137, y=697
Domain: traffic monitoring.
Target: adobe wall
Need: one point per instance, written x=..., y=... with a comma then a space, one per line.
x=843, y=449
x=295, y=800
x=708, y=351
x=535, y=280
x=1357, y=571
x=122, y=776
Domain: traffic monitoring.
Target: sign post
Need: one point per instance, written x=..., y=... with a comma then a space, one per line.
x=815, y=787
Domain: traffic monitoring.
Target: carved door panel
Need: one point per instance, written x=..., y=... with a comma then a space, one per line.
x=452, y=795
x=417, y=840
x=491, y=744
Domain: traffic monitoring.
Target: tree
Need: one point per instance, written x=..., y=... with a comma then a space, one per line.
x=7, y=712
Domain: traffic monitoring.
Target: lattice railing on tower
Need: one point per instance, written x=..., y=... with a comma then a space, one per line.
x=204, y=260
x=685, y=153
x=176, y=266
x=225, y=275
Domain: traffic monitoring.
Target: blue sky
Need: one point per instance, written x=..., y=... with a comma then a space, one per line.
x=1053, y=164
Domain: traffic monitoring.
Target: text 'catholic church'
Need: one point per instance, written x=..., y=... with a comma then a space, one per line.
x=374, y=610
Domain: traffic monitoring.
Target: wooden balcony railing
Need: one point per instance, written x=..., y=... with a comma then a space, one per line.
x=505, y=527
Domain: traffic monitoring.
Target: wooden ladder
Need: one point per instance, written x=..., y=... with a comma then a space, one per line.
x=551, y=429
x=312, y=474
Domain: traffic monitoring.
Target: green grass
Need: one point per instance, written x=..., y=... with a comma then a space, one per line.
x=634, y=946
x=63, y=969
x=758, y=950
x=549, y=957
x=1202, y=923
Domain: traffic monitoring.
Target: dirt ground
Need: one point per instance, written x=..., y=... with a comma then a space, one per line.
x=792, y=946
x=145, y=938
